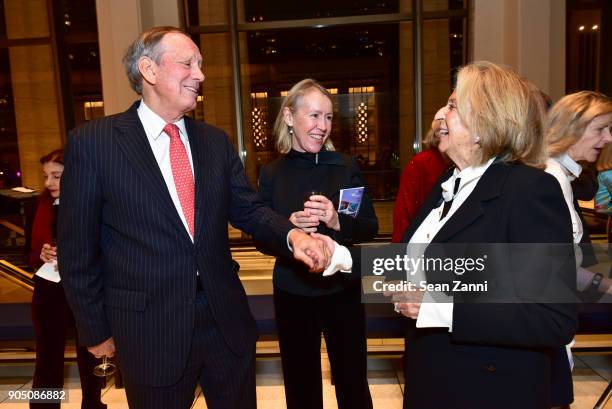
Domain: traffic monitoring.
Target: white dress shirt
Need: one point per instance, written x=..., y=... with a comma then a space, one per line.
x=160, y=144
x=435, y=313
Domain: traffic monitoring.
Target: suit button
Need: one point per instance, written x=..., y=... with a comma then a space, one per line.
x=490, y=368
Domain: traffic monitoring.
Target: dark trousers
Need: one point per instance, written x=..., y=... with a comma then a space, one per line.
x=52, y=319
x=341, y=318
x=561, y=383
x=227, y=380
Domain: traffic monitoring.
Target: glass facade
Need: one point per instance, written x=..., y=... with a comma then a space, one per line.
x=365, y=96
x=10, y=174
x=49, y=81
x=78, y=46
x=266, y=10
x=389, y=64
x=380, y=59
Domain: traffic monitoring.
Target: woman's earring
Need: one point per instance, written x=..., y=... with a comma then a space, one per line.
x=477, y=139
x=290, y=130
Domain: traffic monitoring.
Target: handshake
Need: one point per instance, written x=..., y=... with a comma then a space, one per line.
x=315, y=250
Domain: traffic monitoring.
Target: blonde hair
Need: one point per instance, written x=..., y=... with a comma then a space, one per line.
x=604, y=162
x=292, y=101
x=431, y=139
x=503, y=111
x=570, y=116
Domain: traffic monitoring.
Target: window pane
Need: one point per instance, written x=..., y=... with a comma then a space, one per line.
x=268, y=10
x=10, y=175
x=442, y=5
x=84, y=65
x=371, y=86
x=26, y=19
x=216, y=102
x=207, y=12
x=36, y=108
x=79, y=16
x=443, y=54
x=2, y=21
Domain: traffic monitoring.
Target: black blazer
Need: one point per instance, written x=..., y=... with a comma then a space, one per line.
x=128, y=264
x=497, y=354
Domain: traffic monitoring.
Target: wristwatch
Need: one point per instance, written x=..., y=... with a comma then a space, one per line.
x=591, y=293
x=595, y=282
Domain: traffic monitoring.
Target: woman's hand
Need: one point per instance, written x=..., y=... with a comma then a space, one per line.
x=324, y=210
x=304, y=221
x=48, y=253
x=407, y=303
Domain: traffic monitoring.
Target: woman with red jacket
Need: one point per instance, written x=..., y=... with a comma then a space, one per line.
x=419, y=177
x=51, y=313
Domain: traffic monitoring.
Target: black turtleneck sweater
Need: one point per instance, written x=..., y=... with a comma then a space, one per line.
x=282, y=186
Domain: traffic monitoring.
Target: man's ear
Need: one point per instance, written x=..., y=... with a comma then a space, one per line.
x=288, y=116
x=148, y=69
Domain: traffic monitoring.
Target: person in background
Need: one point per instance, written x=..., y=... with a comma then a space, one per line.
x=490, y=355
x=603, y=196
x=51, y=314
x=304, y=184
x=418, y=177
x=578, y=130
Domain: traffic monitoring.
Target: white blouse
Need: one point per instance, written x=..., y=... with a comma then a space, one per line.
x=436, y=313
x=565, y=170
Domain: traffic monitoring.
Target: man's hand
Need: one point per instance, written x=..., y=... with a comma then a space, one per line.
x=330, y=245
x=106, y=348
x=310, y=251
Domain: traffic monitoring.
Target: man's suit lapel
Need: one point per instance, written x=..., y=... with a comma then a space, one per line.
x=132, y=140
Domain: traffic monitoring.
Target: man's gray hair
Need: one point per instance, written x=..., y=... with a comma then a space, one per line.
x=146, y=45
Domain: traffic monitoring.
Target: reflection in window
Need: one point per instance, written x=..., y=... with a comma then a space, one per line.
x=362, y=103
x=2, y=21
x=93, y=110
x=266, y=10
x=259, y=118
x=442, y=5
x=10, y=175
x=198, y=112
x=360, y=67
x=444, y=53
x=368, y=67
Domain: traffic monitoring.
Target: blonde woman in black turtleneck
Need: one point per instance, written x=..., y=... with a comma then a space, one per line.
x=306, y=304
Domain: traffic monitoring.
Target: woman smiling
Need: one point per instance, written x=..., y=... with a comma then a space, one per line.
x=490, y=355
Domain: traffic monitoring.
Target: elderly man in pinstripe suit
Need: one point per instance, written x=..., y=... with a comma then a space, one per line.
x=143, y=247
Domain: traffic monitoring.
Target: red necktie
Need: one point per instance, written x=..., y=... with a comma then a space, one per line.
x=181, y=172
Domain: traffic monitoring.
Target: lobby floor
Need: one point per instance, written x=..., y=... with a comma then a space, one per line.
x=592, y=373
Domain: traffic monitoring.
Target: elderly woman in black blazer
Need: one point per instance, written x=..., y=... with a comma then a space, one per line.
x=472, y=355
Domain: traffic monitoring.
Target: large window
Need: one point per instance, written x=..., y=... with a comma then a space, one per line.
x=10, y=174
x=49, y=81
x=389, y=65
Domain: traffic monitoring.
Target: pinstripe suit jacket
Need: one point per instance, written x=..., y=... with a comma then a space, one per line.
x=127, y=262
